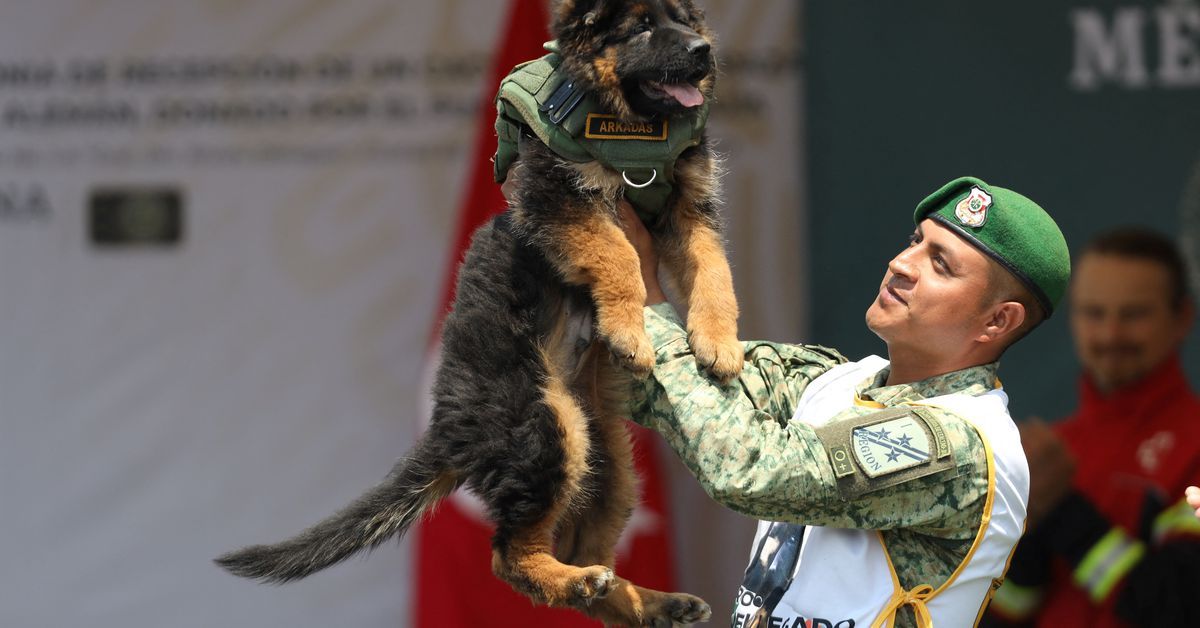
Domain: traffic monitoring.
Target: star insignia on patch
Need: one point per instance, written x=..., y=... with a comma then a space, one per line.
x=972, y=210
x=890, y=447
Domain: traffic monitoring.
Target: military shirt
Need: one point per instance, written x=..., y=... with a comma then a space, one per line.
x=741, y=443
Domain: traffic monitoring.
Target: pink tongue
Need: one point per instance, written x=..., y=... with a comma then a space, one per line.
x=687, y=95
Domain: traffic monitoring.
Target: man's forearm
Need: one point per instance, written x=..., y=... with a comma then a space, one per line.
x=734, y=438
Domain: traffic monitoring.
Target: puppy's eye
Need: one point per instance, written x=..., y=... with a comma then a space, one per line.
x=645, y=25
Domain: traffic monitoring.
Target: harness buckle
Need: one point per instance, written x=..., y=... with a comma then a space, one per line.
x=653, y=176
x=564, y=99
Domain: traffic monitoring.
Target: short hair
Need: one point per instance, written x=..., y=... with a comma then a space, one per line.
x=1145, y=244
x=1004, y=286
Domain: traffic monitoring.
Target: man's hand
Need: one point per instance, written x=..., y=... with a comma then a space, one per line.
x=643, y=243
x=1193, y=498
x=1051, y=468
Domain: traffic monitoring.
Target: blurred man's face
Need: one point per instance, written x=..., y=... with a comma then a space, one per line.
x=932, y=295
x=1122, y=318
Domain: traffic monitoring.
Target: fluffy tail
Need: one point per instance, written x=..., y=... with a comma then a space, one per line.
x=388, y=509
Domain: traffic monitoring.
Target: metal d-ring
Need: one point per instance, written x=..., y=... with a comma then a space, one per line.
x=653, y=176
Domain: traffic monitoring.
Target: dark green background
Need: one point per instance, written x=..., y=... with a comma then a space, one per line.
x=904, y=96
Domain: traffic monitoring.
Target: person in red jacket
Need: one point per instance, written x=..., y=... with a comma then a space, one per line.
x=1109, y=541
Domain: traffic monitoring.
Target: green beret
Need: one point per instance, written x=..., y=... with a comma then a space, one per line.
x=1008, y=227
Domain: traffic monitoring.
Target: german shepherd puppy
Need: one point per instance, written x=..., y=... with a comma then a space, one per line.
x=527, y=405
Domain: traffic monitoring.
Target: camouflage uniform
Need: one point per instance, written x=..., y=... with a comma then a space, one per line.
x=741, y=444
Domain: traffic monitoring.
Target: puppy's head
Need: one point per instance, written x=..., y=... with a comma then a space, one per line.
x=641, y=58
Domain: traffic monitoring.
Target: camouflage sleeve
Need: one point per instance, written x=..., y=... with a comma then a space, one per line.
x=945, y=502
x=740, y=444
x=772, y=380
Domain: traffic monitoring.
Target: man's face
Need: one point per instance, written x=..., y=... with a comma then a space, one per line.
x=1122, y=317
x=934, y=294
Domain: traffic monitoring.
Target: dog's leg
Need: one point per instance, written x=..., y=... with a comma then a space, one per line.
x=613, y=496
x=528, y=565
x=523, y=550
x=598, y=531
x=695, y=257
x=612, y=491
x=592, y=250
x=631, y=605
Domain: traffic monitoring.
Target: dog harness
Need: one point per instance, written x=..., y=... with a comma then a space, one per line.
x=535, y=97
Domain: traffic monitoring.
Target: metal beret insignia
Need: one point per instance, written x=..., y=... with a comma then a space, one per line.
x=972, y=210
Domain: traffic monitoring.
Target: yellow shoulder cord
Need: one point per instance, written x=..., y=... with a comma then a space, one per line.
x=867, y=403
x=915, y=598
x=900, y=598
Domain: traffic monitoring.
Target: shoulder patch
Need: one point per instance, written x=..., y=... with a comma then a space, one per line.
x=890, y=446
x=886, y=448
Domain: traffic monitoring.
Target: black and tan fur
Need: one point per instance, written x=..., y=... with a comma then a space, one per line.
x=528, y=406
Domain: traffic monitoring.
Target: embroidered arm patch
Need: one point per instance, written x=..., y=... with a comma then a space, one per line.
x=886, y=448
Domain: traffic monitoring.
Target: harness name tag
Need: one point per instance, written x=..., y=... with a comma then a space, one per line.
x=603, y=126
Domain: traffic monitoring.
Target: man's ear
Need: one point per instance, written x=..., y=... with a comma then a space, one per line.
x=1006, y=317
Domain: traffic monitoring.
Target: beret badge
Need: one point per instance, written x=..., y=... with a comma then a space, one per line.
x=972, y=210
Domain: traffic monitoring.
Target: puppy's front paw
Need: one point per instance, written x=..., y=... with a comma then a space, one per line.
x=632, y=350
x=721, y=356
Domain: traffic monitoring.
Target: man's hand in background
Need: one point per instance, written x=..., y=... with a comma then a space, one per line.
x=1051, y=468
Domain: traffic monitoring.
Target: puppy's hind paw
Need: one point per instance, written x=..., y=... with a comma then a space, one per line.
x=595, y=583
x=689, y=609
x=677, y=609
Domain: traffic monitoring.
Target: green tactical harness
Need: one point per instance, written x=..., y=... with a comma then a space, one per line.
x=538, y=97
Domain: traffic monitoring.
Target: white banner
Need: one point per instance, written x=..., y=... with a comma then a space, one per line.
x=223, y=231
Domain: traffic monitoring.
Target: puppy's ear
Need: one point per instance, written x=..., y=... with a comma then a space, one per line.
x=579, y=12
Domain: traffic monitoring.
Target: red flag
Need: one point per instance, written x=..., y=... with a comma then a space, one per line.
x=454, y=582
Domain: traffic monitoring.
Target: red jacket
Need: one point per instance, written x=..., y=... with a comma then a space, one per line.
x=1143, y=439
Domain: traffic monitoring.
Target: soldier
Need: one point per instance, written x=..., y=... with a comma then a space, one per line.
x=901, y=483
